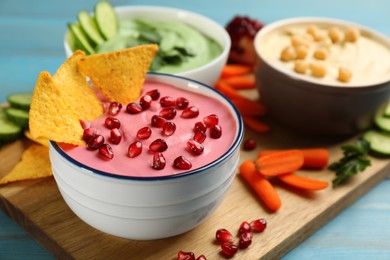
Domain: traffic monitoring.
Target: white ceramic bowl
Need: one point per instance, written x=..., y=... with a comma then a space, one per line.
x=207, y=74
x=144, y=208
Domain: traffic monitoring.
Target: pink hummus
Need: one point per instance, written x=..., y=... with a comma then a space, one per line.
x=140, y=166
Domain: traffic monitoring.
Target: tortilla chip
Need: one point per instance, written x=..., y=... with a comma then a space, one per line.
x=35, y=163
x=59, y=102
x=42, y=141
x=119, y=75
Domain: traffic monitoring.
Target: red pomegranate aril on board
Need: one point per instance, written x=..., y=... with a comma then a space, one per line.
x=216, y=131
x=182, y=163
x=85, y=124
x=154, y=94
x=201, y=257
x=106, y=152
x=200, y=126
x=258, y=225
x=200, y=136
x=244, y=227
x=167, y=101
x=114, y=108
x=182, y=103
x=190, y=112
x=245, y=239
x=112, y=122
x=158, y=121
x=115, y=136
x=145, y=101
x=134, y=149
x=133, y=108
x=223, y=236
x=168, y=113
x=249, y=145
x=229, y=249
x=95, y=142
x=159, y=161
x=144, y=133
x=158, y=145
x=195, y=147
x=181, y=255
x=211, y=120
x=169, y=129
x=89, y=133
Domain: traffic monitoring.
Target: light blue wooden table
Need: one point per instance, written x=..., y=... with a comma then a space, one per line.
x=31, y=40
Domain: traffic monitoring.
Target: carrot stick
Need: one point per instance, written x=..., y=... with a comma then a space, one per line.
x=255, y=124
x=249, y=107
x=280, y=162
x=314, y=158
x=230, y=70
x=227, y=90
x=260, y=185
x=302, y=182
x=246, y=81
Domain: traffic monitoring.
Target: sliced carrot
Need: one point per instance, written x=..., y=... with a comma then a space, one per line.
x=260, y=185
x=246, y=81
x=280, y=162
x=314, y=158
x=302, y=182
x=227, y=90
x=230, y=70
x=256, y=124
x=249, y=107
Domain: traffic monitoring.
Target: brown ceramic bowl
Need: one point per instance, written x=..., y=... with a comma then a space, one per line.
x=325, y=105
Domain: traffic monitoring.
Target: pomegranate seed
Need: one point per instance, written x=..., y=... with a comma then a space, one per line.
x=112, y=122
x=244, y=227
x=245, y=239
x=89, y=133
x=167, y=101
x=181, y=255
x=216, y=131
x=95, y=142
x=200, y=126
x=145, y=102
x=199, y=136
x=158, y=121
x=135, y=149
x=211, y=120
x=181, y=103
x=168, y=113
x=144, y=133
x=229, y=249
x=201, y=257
x=158, y=145
x=115, y=136
x=133, y=108
x=190, y=112
x=195, y=147
x=105, y=150
x=182, y=163
x=158, y=161
x=114, y=108
x=223, y=236
x=154, y=94
x=85, y=124
x=258, y=225
x=249, y=145
x=169, y=129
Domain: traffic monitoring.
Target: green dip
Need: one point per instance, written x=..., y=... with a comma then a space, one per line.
x=181, y=47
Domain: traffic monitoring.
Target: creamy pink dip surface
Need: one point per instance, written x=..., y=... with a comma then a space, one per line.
x=140, y=166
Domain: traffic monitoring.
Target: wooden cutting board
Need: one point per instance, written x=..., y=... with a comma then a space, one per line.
x=38, y=207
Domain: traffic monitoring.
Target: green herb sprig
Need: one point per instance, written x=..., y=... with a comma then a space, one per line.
x=355, y=160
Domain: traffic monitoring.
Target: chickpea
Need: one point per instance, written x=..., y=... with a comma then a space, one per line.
x=302, y=51
x=312, y=29
x=299, y=40
x=301, y=66
x=288, y=54
x=335, y=34
x=318, y=70
x=351, y=34
x=321, y=54
x=345, y=74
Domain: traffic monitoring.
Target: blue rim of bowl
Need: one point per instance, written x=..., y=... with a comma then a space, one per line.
x=235, y=145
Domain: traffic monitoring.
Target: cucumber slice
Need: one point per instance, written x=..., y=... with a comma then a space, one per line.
x=379, y=141
x=106, y=19
x=386, y=112
x=17, y=116
x=8, y=130
x=20, y=100
x=88, y=25
x=81, y=39
x=381, y=120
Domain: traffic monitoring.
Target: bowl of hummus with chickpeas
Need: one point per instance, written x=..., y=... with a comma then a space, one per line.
x=322, y=75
